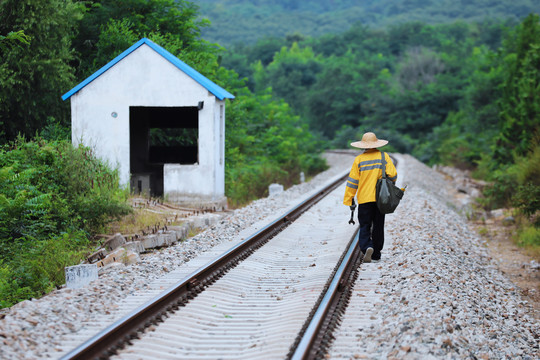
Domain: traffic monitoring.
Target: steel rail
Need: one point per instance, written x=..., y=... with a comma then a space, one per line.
x=316, y=333
x=117, y=335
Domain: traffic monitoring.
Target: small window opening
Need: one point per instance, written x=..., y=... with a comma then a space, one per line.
x=173, y=145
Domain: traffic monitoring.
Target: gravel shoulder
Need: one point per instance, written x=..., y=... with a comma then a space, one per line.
x=441, y=293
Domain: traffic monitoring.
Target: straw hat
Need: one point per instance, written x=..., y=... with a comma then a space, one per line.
x=369, y=141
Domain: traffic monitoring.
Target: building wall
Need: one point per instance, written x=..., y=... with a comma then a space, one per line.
x=188, y=183
x=100, y=119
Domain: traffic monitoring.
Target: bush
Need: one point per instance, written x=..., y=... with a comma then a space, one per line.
x=52, y=186
x=499, y=192
x=529, y=236
x=11, y=291
x=250, y=182
x=517, y=184
x=527, y=198
x=39, y=268
x=266, y=143
x=53, y=198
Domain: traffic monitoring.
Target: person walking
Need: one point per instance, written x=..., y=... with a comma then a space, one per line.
x=365, y=171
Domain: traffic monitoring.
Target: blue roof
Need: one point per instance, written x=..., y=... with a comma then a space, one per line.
x=218, y=91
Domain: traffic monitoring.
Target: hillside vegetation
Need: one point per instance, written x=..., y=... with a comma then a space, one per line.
x=462, y=94
x=246, y=21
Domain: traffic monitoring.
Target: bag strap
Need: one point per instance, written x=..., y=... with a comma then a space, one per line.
x=383, y=159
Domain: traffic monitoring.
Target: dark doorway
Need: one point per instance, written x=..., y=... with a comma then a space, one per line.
x=158, y=136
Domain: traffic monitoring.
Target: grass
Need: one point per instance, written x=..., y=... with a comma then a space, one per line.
x=143, y=219
x=483, y=231
x=528, y=237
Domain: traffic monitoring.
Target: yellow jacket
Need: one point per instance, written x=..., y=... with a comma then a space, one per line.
x=366, y=170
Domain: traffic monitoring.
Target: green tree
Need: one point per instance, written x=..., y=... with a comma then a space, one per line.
x=467, y=135
x=109, y=27
x=520, y=102
x=14, y=38
x=291, y=75
x=411, y=34
x=338, y=95
x=266, y=143
x=32, y=76
x=241, y=57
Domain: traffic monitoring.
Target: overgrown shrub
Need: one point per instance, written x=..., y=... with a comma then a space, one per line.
x=516, y=185
x=529, y=237
x=500, y=191
x=53, y=197
x=38, y=267
x=11, y=290
x=527, y=198
x=249, y=182
x=266, y=143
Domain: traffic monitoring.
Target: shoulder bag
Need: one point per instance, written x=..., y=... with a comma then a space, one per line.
x=387, y=193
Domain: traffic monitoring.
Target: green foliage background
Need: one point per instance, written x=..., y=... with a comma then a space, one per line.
x=462, y=94
x=247, y=21
x=32, y=72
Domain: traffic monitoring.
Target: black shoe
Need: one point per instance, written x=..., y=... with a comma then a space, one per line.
x=367, y=255
x=376, y=256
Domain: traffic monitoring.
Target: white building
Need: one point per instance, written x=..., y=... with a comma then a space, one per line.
x=157, y=120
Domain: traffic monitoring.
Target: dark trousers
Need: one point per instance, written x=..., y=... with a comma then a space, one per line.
x=371, y=228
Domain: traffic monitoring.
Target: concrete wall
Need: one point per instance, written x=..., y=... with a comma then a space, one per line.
x=100, y=119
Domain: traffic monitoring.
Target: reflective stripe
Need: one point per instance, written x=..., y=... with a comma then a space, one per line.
x=365, y=168
x=352, y=180
x=369, y=162
x=393, y=178
x=352, y=186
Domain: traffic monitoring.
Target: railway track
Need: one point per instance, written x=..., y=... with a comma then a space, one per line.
x=275, y=302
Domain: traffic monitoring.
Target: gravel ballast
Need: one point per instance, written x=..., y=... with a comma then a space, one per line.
x=441, y=294
x=438, y=293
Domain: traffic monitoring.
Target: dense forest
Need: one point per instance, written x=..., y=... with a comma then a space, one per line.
x=463, y=94
x=246, y=21
x=459, y=92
